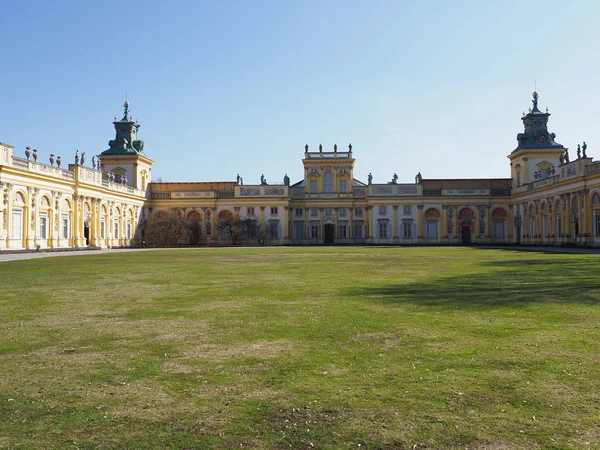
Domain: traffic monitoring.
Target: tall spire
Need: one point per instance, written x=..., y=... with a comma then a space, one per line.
x=536, y=133
x=126, y=139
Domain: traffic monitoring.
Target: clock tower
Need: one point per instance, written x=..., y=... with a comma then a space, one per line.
x=537, y=153
x=125, y=157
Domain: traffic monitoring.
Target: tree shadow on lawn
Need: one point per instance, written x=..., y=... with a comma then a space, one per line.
x=511, y=283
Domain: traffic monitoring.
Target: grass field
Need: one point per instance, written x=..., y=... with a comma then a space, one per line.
x=436, y=348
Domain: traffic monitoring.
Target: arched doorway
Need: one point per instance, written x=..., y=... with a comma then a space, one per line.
x=499, y=223
x=225, y=224
x=432, y=224
x=194, y=220
x=466, y=217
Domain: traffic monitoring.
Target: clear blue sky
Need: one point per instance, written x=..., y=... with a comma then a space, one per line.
x=231, y=87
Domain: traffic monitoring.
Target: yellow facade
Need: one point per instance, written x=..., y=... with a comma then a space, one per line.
x=546, y=201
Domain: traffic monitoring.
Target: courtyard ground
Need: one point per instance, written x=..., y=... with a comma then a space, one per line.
x=301, y=348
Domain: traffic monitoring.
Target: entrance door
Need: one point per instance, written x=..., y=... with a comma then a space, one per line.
x=86, y=234
x=329, y=234
x=466, y=235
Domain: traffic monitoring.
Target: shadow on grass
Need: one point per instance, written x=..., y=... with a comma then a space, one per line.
x=510, y=283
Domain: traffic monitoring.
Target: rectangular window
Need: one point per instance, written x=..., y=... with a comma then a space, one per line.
x=299, y=230
x=314, y=212
x=65, y=227
x=314, y=231
x=597, y=222
x=342, y=212
x=116, y=236
x=407, y=211
x=532, y=227
x=545, y=226
x=559, y=226
x=43, y=227
x=383, y=210
x=499, y=229
x=128, y=230
x=343, y=187
x=407, y=230
x=313, y=186
x=359, y=212
x=383, y=230
x=357, y=232
x=328, y=182
x=432, y=229
x=17, y=225
x=343, y=231
x=273, y=230
x=482, y=225
x=250, y=211
x=274, y=211
x=299, y=212
x=103, y=230
x=328, y=211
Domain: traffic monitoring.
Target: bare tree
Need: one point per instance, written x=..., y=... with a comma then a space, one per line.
x=167, y=228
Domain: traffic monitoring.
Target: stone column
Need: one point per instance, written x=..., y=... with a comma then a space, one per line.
x=286, y=225
x=396, y=225
x=420, y=223
x=369, y=224
x=444, y=224
x=30, y=219
x=5, y=191
x=350, y=223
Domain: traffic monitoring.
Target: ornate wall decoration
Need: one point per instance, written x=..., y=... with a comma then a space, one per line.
x=274, y=190
x=249, y=191
x=383, y=190
x=407, y=190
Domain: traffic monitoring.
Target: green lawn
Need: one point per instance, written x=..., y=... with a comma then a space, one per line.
x=436, y=348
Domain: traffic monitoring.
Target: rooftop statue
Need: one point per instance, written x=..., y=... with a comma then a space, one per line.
x=370, y=178
x=584, y=148
x=578, y=151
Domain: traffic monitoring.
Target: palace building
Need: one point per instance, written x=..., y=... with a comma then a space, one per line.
x=551, y=198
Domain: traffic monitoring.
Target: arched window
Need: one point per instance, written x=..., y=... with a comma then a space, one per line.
x=328, y=187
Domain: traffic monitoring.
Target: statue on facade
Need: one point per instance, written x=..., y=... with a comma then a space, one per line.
x=28, y=153
x=263, y=180
x=35, y=154
x=77, y=157
x=584, y=148
x=99, y=163
x=286, y=180
x=395, y=178
x=306, y=148
x=51, y=159
x=321, y=148
x=335, y=148
x=418, y=178
x=124, y=179
x=350, y=147
x=58, y=161
x=238, y=179
x=567, y=156
x=578, y=151
x=370, y=178
x=562, y=158
x=94, y=162
x=83, y=158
